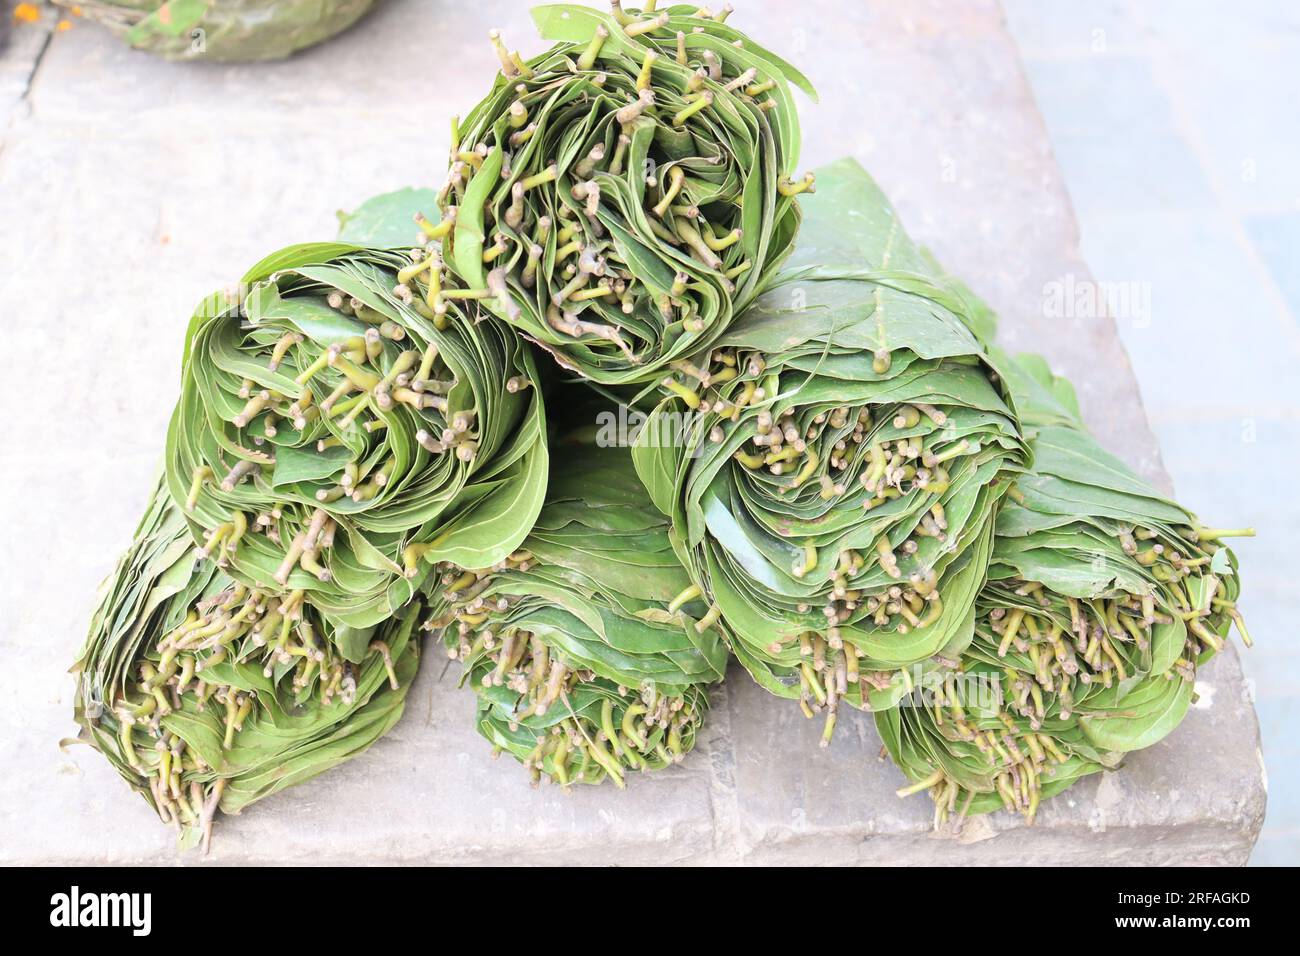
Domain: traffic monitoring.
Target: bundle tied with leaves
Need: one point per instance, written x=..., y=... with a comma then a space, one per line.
x=587, y=649
x=337, y=436
x=623, y=196
x=845, y=445
x=206, y=694
x=1103, y=597
x=222, y=30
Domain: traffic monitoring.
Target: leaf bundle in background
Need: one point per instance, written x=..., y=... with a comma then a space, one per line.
x=627, y=193
x=336, y=437
x=1103, y=597
x=584, y=647
x=205, y=694
x=222, y=30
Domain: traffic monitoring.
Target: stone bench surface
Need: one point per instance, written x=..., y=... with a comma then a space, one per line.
x=129, y=187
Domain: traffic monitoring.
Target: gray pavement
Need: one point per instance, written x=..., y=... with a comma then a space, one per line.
x=130, y=187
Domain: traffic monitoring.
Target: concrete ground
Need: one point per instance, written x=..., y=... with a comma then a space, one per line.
x=1174, y=126
x=130, y=187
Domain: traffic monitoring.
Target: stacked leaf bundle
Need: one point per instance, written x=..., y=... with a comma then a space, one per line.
x=630, y=189
x=222, y=30
x=847, y=443
x=1103, y=597
x=334, y=439
x=206, y=694
x=337, y=435
x=583, y=647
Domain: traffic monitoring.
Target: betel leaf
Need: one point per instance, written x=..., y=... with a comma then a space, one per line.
x=293, y=465
x=387, y=221
x=1156, y=710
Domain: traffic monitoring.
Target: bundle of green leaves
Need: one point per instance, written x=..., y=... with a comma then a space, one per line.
x=1103, y=598
x=336, y=435
x=845, y=447
x=630, y=189
x=584, y=646
x=206, y=694
x=222, y=30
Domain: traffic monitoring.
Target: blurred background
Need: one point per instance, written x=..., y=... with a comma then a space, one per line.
x=130, y=186
x=1173, y=122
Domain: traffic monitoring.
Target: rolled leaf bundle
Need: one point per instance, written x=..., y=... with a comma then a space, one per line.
x=630, y=189
x=833, y=466
x=958, y=739
x=1103, y=597
x=206, y=694
x=222, y=30
x=584, y=647
x=336, y=436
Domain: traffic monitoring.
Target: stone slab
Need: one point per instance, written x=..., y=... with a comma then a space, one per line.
x=130, y=187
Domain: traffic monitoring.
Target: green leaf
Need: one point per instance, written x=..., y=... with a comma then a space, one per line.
x=1156, y=710
x=387, y=220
